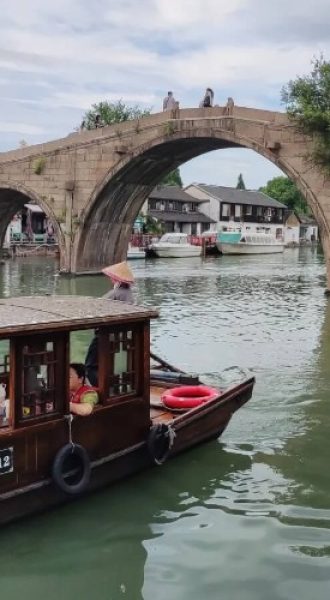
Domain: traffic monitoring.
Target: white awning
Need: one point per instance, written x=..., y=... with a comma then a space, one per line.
x=34, y=208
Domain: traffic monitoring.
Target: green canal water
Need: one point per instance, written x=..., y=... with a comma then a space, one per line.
x=245, y=517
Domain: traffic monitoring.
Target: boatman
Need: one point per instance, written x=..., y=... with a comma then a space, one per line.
x=122, y=278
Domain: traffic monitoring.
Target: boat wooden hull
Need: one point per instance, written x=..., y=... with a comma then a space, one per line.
x=191, y=428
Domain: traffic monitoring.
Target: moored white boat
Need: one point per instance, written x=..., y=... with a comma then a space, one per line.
x=134, y=252
x=175, y=245
x=238, y=242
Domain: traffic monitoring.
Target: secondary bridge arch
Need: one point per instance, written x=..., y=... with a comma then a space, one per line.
x=13, y=196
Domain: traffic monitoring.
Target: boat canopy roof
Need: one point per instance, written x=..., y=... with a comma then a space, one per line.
x=175, y=237
x=38, y=313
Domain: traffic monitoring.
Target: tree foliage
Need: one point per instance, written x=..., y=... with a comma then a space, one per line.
x=112, y=112
x=240, y=183
x=151, y=225
x=284, y=190
x=173, y=178
x=307, y=102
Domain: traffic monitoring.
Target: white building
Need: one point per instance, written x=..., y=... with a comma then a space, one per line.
x=252, y=210
x=299, y=229
x=177, y=211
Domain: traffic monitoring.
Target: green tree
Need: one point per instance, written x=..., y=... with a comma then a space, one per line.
x=173, y=178
x=151, y=225
x=284, y=190
x=307, y=102
x=112, y=112
x=240, y=183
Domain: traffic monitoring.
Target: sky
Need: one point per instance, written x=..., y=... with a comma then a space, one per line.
x=58, y=57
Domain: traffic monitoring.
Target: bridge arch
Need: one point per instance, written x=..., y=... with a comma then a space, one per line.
x=13, y=196
x=107, y=219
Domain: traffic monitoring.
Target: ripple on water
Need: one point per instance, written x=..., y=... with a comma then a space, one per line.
x=247, y=516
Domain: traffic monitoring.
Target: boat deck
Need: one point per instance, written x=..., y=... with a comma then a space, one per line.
x=158, y=412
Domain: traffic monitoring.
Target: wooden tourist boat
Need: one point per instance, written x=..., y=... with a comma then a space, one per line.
x=48, y=456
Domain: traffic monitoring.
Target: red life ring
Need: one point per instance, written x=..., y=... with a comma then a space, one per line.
x=188, y=396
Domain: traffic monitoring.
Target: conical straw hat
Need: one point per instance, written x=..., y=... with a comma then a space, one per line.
x=119, y=272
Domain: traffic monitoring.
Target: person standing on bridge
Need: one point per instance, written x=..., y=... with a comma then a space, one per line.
x=169, y=102
x=208, y=99
x=98, y=122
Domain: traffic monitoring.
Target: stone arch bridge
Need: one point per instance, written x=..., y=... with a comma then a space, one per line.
x=93, y=184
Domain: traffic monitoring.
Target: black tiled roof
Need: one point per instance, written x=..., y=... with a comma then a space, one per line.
x=302, y=218
x=306, y=219
x=234, y=196
x=180, y=217
x=172, y=192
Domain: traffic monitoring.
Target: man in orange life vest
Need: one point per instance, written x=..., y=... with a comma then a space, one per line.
x=82, y=397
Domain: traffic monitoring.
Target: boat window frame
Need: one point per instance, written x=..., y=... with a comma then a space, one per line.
x=106, y=364
x=60, y=339
x=7, y=419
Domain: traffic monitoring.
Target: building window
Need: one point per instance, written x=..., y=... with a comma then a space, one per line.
x=248, y=210
x=238, y=210
x=225, y=210
x=259, y=211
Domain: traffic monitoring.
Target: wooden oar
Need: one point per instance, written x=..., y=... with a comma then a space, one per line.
x=163, y=362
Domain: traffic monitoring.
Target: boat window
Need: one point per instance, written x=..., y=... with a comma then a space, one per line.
x=118, y=362
x=5, y=417
x=79, y=344
x=40, y=382
x=165, y=238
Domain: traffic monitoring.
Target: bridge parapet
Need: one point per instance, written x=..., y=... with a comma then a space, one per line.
x=76, y=139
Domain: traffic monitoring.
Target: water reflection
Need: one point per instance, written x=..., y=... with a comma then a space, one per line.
x=248, y=513
x=99, y=547
x=303, y=459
